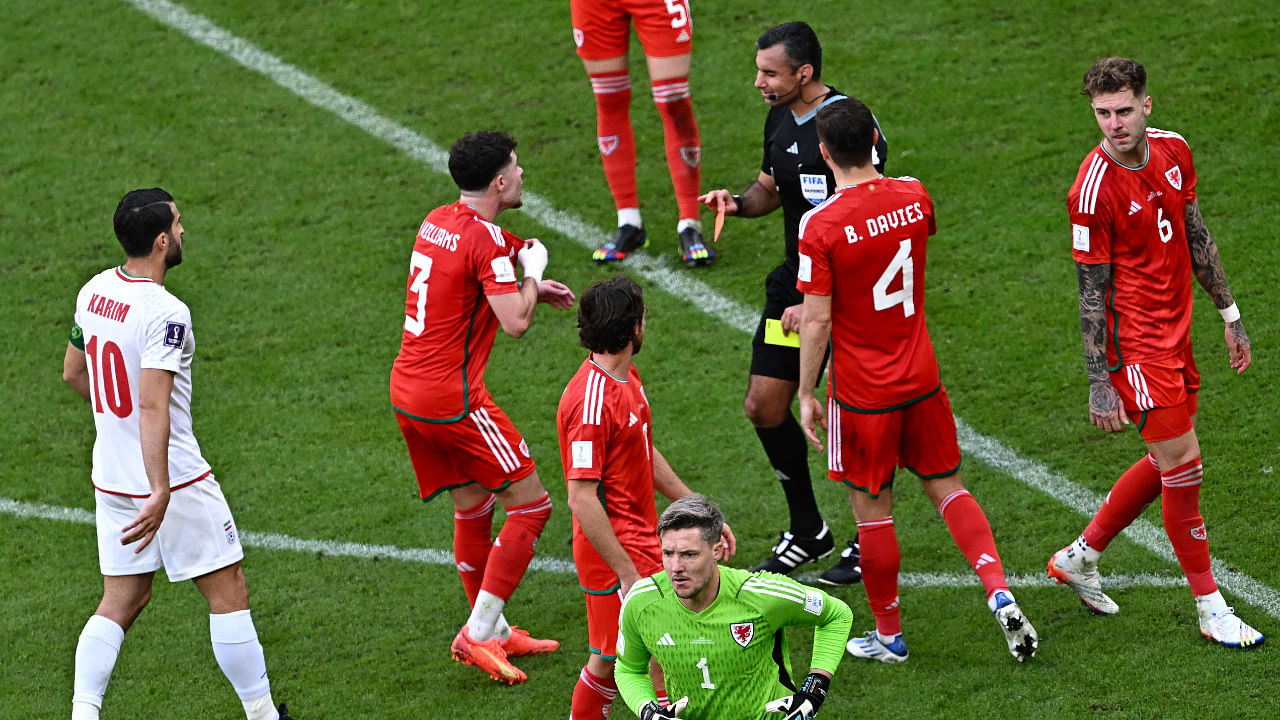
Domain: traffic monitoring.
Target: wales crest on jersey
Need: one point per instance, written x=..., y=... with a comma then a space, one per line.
x=742, y=632
x=814, y=188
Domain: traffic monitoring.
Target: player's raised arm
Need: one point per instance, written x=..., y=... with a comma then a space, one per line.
x=1207, y=265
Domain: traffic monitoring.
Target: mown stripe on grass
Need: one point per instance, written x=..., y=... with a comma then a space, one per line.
x=431, y=556
x=678, y=284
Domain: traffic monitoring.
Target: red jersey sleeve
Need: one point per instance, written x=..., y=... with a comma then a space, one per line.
x=813, y=277
x=493, y=252
x=585, y=427
x=1089, y=207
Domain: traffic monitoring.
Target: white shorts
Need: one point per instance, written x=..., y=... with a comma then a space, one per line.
x=198, y=534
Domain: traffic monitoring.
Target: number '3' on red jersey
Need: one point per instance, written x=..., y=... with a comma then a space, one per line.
x=1133, y=218
x=458, y=258
x=865, y=247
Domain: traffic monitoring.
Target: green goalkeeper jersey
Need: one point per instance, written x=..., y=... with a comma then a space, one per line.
x=731, y=658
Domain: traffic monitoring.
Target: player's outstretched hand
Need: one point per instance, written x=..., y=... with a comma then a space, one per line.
x=653, y=711
x=718, y=199
x=147, y=522
x=729, y=544
x=805, y=703
x=556, y=294
x=1105, y=409
x=533, y=258
x=812, y=415
x=1238, y=347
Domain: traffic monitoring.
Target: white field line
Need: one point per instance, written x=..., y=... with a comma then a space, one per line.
x=679, y=284
x=432, y=556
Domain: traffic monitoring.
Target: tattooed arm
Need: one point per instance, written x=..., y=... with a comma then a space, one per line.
x=1105, y=409
x=1207, y=264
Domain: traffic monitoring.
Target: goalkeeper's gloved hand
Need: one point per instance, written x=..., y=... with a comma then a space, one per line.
x=805, y=703
x=653, y=711
x=533, y=259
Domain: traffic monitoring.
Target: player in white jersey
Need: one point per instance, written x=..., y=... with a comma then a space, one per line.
x=158, y=504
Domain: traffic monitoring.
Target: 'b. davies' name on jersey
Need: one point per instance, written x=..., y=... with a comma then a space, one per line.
x=438, y=236
x=891, y=220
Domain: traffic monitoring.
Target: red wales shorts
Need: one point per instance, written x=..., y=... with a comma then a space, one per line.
x=1160, y=396
x=602, y=28
x=600, y=589
x=864, y=449
x=483, y=447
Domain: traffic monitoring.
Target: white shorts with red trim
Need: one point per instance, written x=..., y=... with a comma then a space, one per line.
x=198, y=534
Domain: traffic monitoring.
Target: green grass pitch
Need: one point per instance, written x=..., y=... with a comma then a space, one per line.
x=299, y=225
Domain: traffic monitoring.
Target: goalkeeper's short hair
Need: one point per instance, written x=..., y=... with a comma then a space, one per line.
x=608, y=314
x=693, y=511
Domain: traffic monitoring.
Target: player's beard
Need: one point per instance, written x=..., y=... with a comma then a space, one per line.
x=173, y=256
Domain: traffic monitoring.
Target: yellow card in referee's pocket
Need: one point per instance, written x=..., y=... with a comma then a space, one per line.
x=774, y=335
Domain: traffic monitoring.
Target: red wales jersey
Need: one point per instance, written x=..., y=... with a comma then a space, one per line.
x=865, y=247
x=605, y=435
x=458, y=258
x=1133, y=219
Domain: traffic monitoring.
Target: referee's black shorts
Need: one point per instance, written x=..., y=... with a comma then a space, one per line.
x=778, y=361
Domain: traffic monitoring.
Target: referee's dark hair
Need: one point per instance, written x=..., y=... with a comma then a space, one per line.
x=800, y=42
x=848, y=132
x=477, y=158
x=140, y=216
x=608, y=314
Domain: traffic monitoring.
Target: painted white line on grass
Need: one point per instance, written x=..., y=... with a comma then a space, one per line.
x=678, y=284
x=432, y=556
x=356, y=112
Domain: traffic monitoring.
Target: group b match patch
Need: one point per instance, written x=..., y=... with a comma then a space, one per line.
x=1080, y=237
x=174, y=334
x=581, y=452
x=813, y=602
x=503, y=270
x=742, y=632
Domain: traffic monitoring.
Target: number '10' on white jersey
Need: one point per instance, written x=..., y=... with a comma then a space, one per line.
x=127, y=324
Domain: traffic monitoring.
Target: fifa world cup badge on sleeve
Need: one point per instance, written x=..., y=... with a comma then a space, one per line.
x=813, y=602
x=1080, y=237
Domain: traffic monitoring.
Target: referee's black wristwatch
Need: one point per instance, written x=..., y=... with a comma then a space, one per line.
x=737, y=200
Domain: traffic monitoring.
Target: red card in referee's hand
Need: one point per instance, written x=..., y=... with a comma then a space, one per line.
x=715, y=237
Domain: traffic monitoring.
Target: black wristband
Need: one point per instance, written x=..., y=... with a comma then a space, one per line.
x=815, y=686
x=737, y=200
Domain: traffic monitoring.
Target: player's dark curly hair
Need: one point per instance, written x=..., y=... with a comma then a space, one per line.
x=140, y=216
x=1113, y=75
x=848, y=131
x=693, y=511
x=800, y=43
x=477, y=158
x=608, y=314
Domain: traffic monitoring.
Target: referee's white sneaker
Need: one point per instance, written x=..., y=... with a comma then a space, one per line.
x=1070, y=570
